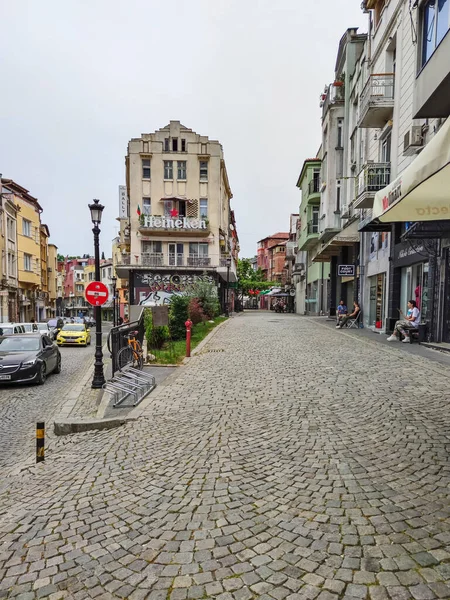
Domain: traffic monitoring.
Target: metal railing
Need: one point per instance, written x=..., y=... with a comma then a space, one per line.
x=372, y=178
x=379, y=89
x=314, y=186
x=313, y=227
x=176, y=260
x=117, y=338
x=198, y=261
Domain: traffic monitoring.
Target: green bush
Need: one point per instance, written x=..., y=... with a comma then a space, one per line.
x=156, y=336
x=178, y=315
x=207, y=297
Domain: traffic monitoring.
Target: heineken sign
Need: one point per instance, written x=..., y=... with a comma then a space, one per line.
x=173, y=223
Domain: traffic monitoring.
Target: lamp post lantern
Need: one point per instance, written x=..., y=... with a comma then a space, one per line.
x=227, y=306
x=96, y=217
x=114, y=283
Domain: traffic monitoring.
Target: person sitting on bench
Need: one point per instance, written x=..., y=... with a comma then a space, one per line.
x=353, y=315
x=341, y=311
x=409, y=322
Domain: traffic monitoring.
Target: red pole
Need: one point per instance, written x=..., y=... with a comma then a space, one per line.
x=188, y=325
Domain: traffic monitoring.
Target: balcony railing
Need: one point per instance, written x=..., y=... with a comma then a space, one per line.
x=314, y=186
x=198, y=261
x=313, y=227
x=372, y=178
x=377, y=100
x=159, y=259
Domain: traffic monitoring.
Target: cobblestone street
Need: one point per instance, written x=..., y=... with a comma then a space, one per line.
x=22, y=405
x=286, y=460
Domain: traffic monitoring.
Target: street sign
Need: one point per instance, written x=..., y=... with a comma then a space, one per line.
x=346, y=270
x=96, y=293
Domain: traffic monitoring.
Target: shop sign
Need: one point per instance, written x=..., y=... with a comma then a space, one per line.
x=173, y=223
x=405, y=254
x=393, y=196
x=346, y=270
x=123, y=202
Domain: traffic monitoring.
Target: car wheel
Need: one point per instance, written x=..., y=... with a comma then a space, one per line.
x=42, y=374
x=57, y=369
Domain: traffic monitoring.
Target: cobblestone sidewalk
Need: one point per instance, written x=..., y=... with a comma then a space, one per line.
x=287, y=460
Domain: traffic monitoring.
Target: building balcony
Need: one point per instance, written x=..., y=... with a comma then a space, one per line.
x=372, y=178
x=309, y=236
x=432, y=86
x=314, y=191
x=377, y=101
x=329, y=227
x=174, y=225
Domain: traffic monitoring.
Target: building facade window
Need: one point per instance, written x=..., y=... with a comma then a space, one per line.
x=146, y=170
x=154, y=247
x=198, y=249
x=146, y=206
x=386, y=149
x=168, y=169
x=166, y=145
x=175, y=145
x=340, y=128
x=435, y=24
x=27, y=262
x=181, y=164
x=183, y=145
x=203, y=208
x=26, y=227
x=204, y=170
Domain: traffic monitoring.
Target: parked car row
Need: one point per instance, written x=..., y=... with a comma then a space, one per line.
x=28, y=358
x=28, y=352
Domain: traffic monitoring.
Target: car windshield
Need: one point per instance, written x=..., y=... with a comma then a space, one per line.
x=19, y=344
x=73, y=327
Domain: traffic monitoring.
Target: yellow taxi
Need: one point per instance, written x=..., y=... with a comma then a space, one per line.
x=74, y=334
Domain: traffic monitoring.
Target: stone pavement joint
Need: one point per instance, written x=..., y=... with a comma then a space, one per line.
x=297, y=463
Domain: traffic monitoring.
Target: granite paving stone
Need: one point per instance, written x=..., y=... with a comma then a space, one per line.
x=261, y=470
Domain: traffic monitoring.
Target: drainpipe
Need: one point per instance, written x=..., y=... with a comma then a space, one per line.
x=321, y=291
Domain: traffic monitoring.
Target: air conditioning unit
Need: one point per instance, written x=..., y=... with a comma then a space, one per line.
x=413, y=140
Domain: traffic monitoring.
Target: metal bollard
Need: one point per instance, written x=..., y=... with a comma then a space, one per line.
x=188, y=325
x=40, y=442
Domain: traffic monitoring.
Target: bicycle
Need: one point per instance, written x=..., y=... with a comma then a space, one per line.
x=132, y=354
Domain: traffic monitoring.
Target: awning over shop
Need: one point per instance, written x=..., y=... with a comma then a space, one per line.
x=422, y=191
x=347, y=237
x=273, y=291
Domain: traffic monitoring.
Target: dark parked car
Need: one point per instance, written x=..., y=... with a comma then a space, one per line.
x=28, y=357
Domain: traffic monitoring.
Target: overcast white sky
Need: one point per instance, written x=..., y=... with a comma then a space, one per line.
x=79, y=78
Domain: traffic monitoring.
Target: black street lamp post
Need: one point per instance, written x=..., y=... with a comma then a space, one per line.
x=96, y=216
x=114, y=282
x=227, y=307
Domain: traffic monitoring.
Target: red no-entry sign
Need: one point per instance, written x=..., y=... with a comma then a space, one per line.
x=96, y=293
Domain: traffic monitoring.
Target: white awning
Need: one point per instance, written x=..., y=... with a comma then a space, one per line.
x=422, y=191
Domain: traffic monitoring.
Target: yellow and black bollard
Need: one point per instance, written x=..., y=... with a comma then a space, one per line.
x=40, y=442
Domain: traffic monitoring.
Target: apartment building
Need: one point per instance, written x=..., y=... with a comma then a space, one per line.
x=74, y=285
x=52, y=270
x=315, y=283
x=271, y=257
x=402, y=108
x=28, y=248
x=9, y=305
x=120, y=246
x=176, y=220
x=106, y=277
x=338, y=224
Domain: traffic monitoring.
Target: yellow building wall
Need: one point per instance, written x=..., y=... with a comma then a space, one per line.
x=87, y=270
x=53, y=274
x=28, y=245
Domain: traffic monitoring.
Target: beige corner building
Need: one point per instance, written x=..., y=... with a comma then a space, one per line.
x=177, y=225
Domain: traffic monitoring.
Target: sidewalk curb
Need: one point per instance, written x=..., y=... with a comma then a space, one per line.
x=62, y=427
